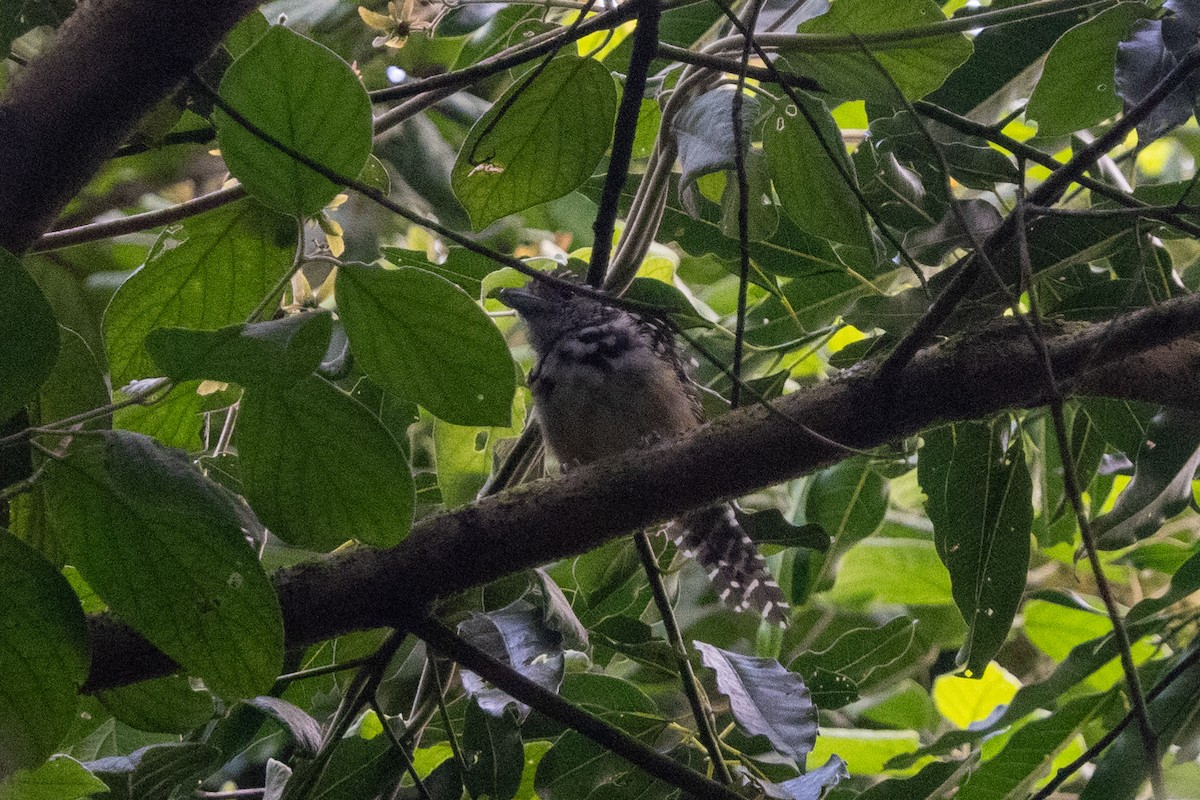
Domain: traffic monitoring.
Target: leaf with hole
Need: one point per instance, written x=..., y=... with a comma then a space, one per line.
x=812, y=174
x=539, y=141
x=980, y=496
x=1076, y=88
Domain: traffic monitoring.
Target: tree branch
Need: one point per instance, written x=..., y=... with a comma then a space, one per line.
x=1141, y=356
x=111, y=61
x=443, y=640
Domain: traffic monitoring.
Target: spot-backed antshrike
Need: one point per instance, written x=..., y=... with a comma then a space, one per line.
x=608, y=380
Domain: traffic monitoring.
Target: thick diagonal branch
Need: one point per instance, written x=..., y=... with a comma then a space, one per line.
x=1142, y=356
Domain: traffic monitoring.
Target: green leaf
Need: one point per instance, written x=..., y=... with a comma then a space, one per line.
x=932, y=777
x=246, y=33
x=75, y=385
x=636, y=641
x=1162, y=481
x=848, y=501
x=60, y=778
x=212, y=272
x=1123, y=768
x=835, y=676
x=607, y=582
x=1030, y=754
x=1057, y=629
x=306, y=97
x=203, y=599
x=770, y=527
x=1124, y=424
x=278, y=352
x=1185, y=581
x=810, y=188
x=30, y=334
x=319, y=468
x=155, y=772
x=766, y=699
x=1055, y=523
x=422, y=338
x=493, y=752
x=895, y=571
x=464, y=455
x=539, y=141
x=1076, y=89
x=170, y=705
x=517, y=636
x=1082, y=661
x=177, y=420
x=359, y=769
x=980, y=496
x=917, y=65
x=864, y=751
x=43, y=656
x=462, y=267
x=762, y=214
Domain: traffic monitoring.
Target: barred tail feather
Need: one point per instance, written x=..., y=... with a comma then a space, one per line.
x=737, y=570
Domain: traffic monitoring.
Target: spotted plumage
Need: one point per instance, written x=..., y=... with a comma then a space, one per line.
x=606, y=381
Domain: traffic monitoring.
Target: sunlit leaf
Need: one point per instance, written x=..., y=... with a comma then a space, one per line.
x=304, y=96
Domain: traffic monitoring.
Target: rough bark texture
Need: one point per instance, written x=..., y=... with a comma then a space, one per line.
x=738, y=453
x=73, y=105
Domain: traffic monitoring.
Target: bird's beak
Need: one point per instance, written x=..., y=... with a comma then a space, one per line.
x=523, y=301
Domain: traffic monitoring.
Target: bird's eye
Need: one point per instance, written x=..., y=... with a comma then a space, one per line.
x=565, y=294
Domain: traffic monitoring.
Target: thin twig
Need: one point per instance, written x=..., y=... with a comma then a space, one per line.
x=401, y=749
x=136, y=223
x=645, y=40
x=740, y=143
x=706, y=728
x=547, y=43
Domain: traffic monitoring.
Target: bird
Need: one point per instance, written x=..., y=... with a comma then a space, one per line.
x=607, y=380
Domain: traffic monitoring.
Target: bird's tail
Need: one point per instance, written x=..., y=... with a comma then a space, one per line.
x=737, y=570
